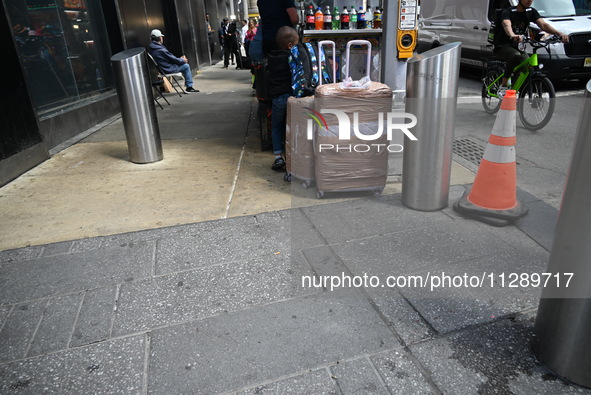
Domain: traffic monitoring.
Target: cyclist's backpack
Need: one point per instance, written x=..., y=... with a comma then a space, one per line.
x=496, y=26
x=304, y=70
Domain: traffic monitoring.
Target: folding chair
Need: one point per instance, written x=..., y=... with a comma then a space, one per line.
x=172, y=76
x=157, y=85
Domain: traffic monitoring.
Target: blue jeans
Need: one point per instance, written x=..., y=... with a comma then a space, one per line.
x=278, y=117
x=186, y=70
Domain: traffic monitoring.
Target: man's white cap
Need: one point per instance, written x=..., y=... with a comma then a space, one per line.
x=156, y=33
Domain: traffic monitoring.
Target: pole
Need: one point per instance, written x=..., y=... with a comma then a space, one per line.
x=432, y=91
x=562, y=339
x=393, y=69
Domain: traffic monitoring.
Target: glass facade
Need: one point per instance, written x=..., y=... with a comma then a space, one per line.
x=57, y=43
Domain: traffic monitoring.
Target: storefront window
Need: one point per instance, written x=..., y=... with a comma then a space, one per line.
x=56, y=40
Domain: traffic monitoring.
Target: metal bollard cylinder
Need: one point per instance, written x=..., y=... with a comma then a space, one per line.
x=562, y=334
x=431, y=95
x=134, y=90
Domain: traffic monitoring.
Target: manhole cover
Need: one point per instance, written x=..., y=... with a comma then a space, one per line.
x=469, y=150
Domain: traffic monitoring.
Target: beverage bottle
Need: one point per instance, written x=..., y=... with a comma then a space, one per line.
x=327, y=19
x=377, y=18
x=360, y=18
x=369, y=18
x=353, y=18
x=319, y=19
x=345, y=18
x=336, y=19
x=310, y=19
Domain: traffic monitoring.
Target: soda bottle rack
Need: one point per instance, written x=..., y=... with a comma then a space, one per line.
x=356, y=32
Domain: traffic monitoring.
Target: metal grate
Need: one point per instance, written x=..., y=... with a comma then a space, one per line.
x=469, y=150
x=578, y=45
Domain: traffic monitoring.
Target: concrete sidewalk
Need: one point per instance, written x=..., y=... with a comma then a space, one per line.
x=191, y=275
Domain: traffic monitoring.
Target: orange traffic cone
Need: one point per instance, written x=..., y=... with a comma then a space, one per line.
x=493, y=197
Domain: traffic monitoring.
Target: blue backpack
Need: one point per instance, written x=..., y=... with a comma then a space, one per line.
x=304, y=70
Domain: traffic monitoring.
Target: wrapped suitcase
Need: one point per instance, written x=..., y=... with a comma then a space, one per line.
x=353, y=158
x=299, y=149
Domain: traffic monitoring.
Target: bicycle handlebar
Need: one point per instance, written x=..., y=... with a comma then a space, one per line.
x=542, y=43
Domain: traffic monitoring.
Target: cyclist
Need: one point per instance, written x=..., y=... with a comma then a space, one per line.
x=514, y=22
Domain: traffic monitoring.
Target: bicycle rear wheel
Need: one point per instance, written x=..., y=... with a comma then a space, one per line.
x=536, y=105
x=491, y=104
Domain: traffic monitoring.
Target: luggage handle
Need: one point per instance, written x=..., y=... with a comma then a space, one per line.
x=334, y=59
x=348, y=55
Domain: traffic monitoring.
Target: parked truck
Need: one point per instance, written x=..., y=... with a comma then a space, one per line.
x=445, y=21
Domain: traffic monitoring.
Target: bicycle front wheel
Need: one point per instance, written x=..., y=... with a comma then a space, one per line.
x=536, y=103
x=490, y=103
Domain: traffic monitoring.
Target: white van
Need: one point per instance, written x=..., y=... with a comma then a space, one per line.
x=445, y=21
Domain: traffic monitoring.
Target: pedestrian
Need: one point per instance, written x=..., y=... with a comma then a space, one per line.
x=249, y=36
x=281, y=87
x=231, y=37
x=168, y=62
x=221, y=34
x=210, y=33
x=275, y=14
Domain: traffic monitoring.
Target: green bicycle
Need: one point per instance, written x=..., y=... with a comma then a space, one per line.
x=536, y=95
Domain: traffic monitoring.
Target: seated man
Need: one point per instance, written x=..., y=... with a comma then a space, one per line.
x=168, y=62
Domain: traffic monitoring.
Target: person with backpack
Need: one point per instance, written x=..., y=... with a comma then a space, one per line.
x=290, y=75
x=514, y=24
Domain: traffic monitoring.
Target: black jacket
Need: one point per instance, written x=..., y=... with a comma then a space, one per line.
x=279, y=73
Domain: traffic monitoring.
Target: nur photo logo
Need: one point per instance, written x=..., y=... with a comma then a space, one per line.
x=391, y=121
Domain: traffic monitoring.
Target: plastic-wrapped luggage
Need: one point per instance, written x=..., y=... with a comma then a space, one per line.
x=360, y=162
x=299, y=149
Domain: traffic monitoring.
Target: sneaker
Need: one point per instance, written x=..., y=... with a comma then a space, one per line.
x=501, y=92
x=191, y=89
x=278, y=164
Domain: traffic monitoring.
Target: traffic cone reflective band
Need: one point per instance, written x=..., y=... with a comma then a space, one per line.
x=493, y=195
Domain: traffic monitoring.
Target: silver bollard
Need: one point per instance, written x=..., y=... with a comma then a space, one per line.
x=431, y=95
x=134, y=90
x=562, y=334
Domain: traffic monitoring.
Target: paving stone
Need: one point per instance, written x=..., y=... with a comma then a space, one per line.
x=96, y=316
x=400, y=373
x=20, y=254
x=404, y=319
x=4, y=311
x=49, y=276
x=233, y=240
x=57, y=325
x=241, y=349
x=358, y=377
x=19, y=329
x=57, y=249
x=317, y=382
x=324, y=261
x=416, y=250
x=191, y=295
x=111, y=367
x=362, y=218
x=540, y=223
x=448, y=308
x=84, y=245
x=491, y=359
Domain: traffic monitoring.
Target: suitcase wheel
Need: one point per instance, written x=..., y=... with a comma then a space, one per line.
x=319, y=194
x=378, y=192
x=306, y=184
x=287, y=177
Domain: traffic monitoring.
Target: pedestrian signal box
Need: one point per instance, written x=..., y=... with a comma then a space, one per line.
x=406, y=38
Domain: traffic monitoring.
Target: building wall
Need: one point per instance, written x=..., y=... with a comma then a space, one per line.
x=29, y=128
